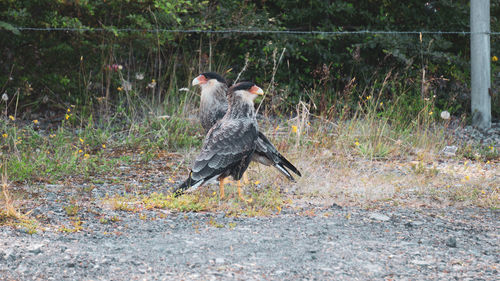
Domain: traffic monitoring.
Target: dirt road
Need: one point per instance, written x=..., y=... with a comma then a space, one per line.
x=319, y=243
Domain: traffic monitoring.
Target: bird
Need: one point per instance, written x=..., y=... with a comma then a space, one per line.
x=213, y=100
x=229, y=144
x=213, y=105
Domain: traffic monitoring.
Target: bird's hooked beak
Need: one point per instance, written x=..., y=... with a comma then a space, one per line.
x=200, y=80
x=256, y=91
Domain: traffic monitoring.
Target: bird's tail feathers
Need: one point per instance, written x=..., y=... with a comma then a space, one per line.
x=289, y=165
x=284, y=171
x=179, y=190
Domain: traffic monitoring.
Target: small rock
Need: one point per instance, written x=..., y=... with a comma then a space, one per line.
x=451, y=242
x=379, y=217
x=22, y=267
x=413, y=223
x=7, y=254
x=422, y=262
x=449, y=150
x=372, y=268
x=219, y=260
x=335, y=206
x=35, y=248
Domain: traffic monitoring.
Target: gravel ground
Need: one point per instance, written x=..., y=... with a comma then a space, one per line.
x=304, y=243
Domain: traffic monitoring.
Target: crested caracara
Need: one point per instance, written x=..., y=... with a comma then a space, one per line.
x=213, y=106
x=213, y=100
x=228, y=146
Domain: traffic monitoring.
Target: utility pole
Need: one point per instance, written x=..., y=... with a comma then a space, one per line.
x=480, y=63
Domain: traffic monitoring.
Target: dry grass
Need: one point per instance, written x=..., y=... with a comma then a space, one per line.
x=366, y=160
x=9, y=214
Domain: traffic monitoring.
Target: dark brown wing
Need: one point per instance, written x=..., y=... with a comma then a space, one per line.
x=227, y=150
x=226, y=145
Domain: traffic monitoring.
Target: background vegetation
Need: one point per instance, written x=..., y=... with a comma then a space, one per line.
x=103, y=91
x=56, y=69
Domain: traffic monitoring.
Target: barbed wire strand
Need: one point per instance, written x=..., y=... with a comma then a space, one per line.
x=242, y=31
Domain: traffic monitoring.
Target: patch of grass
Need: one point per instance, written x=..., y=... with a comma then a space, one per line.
x=33, y=156
x=76, y=226
x=9, y=214
x=71, y=210
x=419, y=168
x=19, y=221
x=81, y=146
x=484, y=195
x=265, y=202
x=479, y=152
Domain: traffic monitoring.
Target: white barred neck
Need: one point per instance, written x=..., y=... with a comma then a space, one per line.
x=213, y=91
x=241, y=104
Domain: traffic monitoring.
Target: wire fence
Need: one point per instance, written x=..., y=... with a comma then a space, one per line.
x=258, y=31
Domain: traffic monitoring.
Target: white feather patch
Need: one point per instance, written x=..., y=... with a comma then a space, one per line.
x=283, y=170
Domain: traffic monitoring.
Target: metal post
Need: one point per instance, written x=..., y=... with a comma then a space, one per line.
x=480, y=63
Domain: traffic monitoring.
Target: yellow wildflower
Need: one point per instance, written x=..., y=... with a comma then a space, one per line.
x=294, y=128
x=430, y=113
x=381, y=103
x=119, y=89
x=5, y=135
x=66, y=117
x=80, y=151
x=368, y=97
x=277, y=127
x=81, y=140
x=103, y=145
x=256, y=182
x=356, y=143
x=86, y=155
x=483, y=192
x=69, y=110
x=494, y=58
x=35, y=121
x=467, y=178
x=12, y=117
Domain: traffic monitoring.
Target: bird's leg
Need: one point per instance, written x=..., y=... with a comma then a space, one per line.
x=221, y=187
x=227, y=181
x=240, y=195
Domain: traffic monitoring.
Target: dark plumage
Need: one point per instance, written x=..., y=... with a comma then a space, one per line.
x=230, y=143
x=213, y=105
